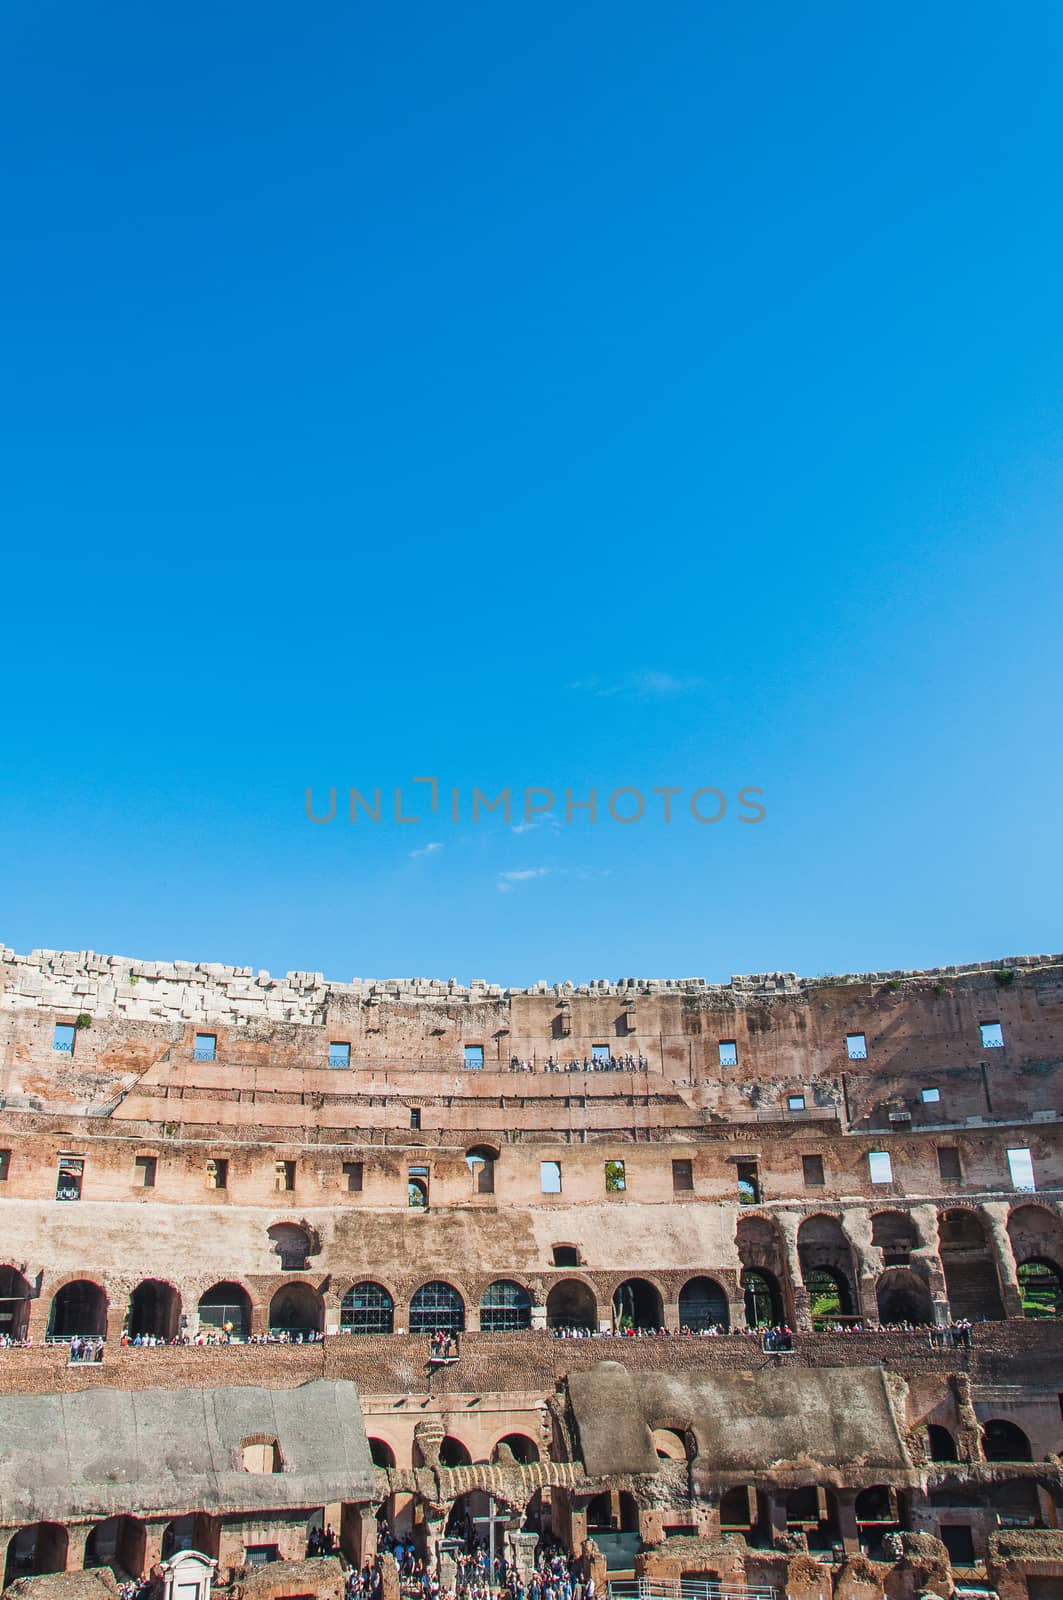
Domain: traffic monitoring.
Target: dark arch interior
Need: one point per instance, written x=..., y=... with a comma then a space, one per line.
x=382, y=1453
x=118, y=1543
x=902, y=1297
x=295, y=1308
x=1041, y=1288
x=523, y=1449
x=14, y=1302
x=78, y=1308
x=452, y=1453
x=39, y=1548
x=1004, y=1441
x=154, y=1308
x=226, y=1306
x=571, y=1304
x=703, y=1304
x=637, y=1304
x=940, y=1443
x=829, y=1294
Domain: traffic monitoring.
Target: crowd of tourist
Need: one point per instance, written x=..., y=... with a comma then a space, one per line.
x=443, y=1346
x=86, y=1350
x=135, y=1589
x=609, y=1063
x=554, y=1576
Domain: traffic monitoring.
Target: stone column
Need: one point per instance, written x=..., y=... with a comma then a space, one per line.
x=996, y=1214
x=848, y=1528
x=789, y=1222
x=77, y=1538
x=925, y=1218
x=867, y=1260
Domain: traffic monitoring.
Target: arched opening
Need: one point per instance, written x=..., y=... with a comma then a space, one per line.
x=763, y=1298
x=226, y=1308
x=940, y=1444
x=971, y=1280
x=118, y=1543
x=813, y=1510
x=417, y=1194
x=381, y=1452
x=1004, y=1441
x=452, y=1453
x=571, y=1305
x=292, y=1243
x=79, y=1309
x=896, y=1235
x=1041, y=1288
x=515, y=1447
x=296, y=1309
x=261, y=1455
x=154, y=1310
x=830, y=1298
x=480, y=1161
x=196, y=1530
x=437, y=1308
x=669, y=1444
x=703, y=1305
x=637, y=1306
x=878, y=1513
x=505, y=1307
x=39, y=1548
x=744, y=1510
x=14, y=1302
x=902, y=1297
x=367, y=1308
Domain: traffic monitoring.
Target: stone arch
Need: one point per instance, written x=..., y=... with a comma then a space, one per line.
x=972, y=1281
x=437, y=1305
x=572, y=1303
x=703, y=1304
x=1040, y=1287
x=453, y=1453
x=827, y=1269
x=903, y=1296
x=940, y=1445
x=896, y=1235
x=637, y=1304
x=521, y=1446
x=1005, y=1441
x=669, y=1444
x=118, y=1542
x=296, y=1308
x=154, y=1309
x=226, y=1306
x=1034, y=1229
x=78, y=1308
x=15, y=1297
x=764, y=1305
x=382, y=1453
x=293, y=1242
x=762, y=1253
x=195, y=1530
x=506, y=1307
x=36, y=1549
x=367, y=1307
x=481, y=1160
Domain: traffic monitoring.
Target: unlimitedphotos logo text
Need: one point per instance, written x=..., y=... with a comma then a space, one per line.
x=533, y=806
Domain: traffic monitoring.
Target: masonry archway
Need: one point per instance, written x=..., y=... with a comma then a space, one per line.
x=296, y=1308
x=972, y=1282
x=523, y=1450
x=637, y=1304
x=896, y=1235
x=154, y=1309
x=762, y=1253
x=902, y=1296
x=367, y=1308
x=505, y=1307
x=15, y=1297
x=763, y=1298
x=702, y=1305
x=226, y=1307
x=1005, y=1441
x=940, y=1444
x=1041, y=1288
x=78, y=1309
x=826, y=1259
x=571, y=1304
x=39, y=1548
x=437, y=1306
x=119, y=1543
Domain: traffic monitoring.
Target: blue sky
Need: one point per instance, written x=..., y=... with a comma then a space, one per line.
x=604, y=395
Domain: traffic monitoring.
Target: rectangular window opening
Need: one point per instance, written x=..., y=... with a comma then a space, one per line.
x=930, y=1097
x=71, y=1174
x=339, y=1055
x=63, y=1036
x=682, y=1176
x=728, y=1053
x=1020, y=1165
x=353, y=1171
x=217, y=1173
x=474, y=1057
x=615, y=1180
x=5, y=1165
x=415, y=1118
x=285, y=1176
x=146, y=1168
x=992, y=1035
x=550, y=1177
x=949, y=1169
x=600, y=1052
x=856, y=1046
x=795, y=1102
x=205, y=1047
x=880, y=1166
x=566, y=1255
x=812, y=1171
x=748, y=1183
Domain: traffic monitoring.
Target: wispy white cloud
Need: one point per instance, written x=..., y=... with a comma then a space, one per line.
x=508, y=881
x=548, y=820
x=432, y=849
x=643, y=685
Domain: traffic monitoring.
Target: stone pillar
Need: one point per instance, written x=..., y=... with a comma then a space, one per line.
x=789, y=1222
x=472, y=1319
x=996, y=1214
x=776, y=1513
x=670, y=1311
x=78, y=1535
x=848, y=1528
x=538, y=1316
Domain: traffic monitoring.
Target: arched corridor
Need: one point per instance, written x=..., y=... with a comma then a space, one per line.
x=226, y=1308
x=78, y=1309
x=155, y=1309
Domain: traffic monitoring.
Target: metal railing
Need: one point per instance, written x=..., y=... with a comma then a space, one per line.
x=687, y=1589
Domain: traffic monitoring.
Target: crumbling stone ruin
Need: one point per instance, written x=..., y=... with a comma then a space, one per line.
x=759, y=1283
